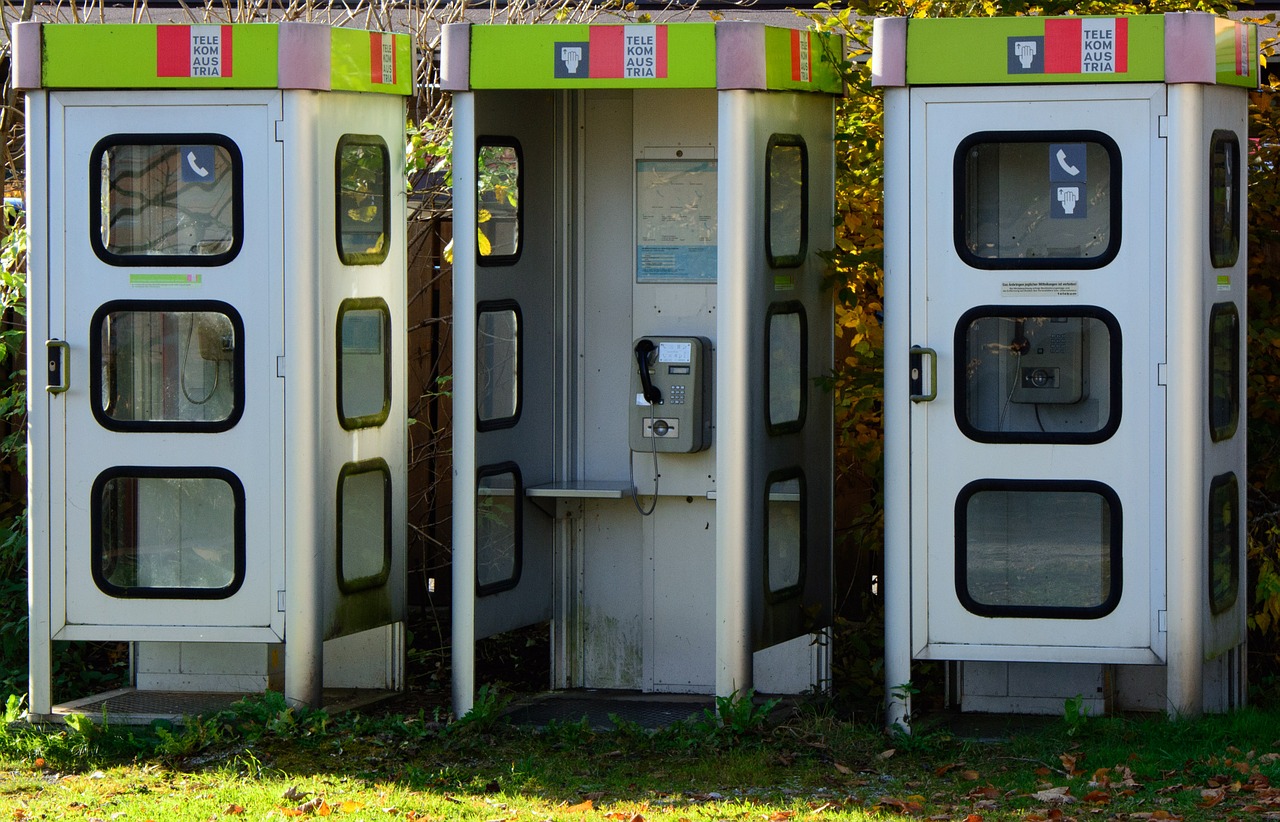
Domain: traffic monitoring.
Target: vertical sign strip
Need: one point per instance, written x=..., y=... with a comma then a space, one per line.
x=606, y=51
x=662, y=51
x=382, y=59
x=226, y=51
x=1062, y=46
x=173, y=51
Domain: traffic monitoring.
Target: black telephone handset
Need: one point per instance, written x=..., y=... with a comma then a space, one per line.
x=652, y=394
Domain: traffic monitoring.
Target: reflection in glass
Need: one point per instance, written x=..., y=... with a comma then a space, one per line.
x=786, y=375
x=167, y=200
x=788, y=205
x=166, y=366
x=1224, y=542
x=1036, y=378
x=1224, y=371
x=784, y=541
x=364, y=364
x=364, y=222
x=1037, y=549
x=498, y=200
x=498, y=365
x=497, y=531
x=1020, y=201
x=164, y=532
x=364, y=516
x=1224, y=193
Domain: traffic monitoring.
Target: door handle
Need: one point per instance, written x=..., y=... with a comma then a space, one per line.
x=58, y=357
x=918, y=374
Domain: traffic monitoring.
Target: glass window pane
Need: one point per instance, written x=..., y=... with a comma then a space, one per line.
x=786, y=180
x=364, y=363
x=174, y=535
x=161, y=201
x=1224, y=371
x=1038, y=377
x=786, y=368
x=784, y=536
x=170, y=367
x=1224, y=194
x=498, y=201
x=1224, y=542
x=364, y=525
x=498, y=365
x=1028, y=548
x=1037, y=200
x=499, y=493
x=364, y=221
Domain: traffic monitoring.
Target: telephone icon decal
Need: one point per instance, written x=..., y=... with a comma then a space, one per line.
x=1066, y=166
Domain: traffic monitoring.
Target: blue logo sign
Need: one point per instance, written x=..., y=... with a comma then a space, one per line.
x=197, y=164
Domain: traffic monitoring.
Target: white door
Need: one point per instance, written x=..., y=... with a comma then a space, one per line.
x=1037, y=276
x=168, y=269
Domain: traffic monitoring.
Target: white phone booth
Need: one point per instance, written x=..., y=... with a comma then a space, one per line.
x=1065, y=305
x=641, y=454
x=218, y=448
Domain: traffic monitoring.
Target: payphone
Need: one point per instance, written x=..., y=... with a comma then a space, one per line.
x=672, y=411
x=1064, y=256
x=217, y=473
x=662, y=500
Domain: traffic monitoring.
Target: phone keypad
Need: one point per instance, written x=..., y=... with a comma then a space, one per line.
x=675, y=394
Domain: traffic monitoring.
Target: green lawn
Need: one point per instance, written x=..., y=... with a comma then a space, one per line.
x=262, y=761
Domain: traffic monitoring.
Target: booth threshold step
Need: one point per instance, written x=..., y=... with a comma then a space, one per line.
x=131, y=706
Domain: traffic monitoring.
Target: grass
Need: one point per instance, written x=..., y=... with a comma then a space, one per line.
x=262, y=760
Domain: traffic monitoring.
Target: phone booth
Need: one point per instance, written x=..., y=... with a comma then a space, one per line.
x=1065, y=298
x=642, y=457
x=218, y=449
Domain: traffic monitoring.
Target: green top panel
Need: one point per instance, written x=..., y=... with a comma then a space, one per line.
x=672, y=55
x=1236, y=53
x=801, y=60
x=371, y=61
x=583, y=56
x=133, y=56
x=952, y=51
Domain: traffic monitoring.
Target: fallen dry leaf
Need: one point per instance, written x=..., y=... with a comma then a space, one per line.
x=844, y=769
x=581, y=807
x=234, y=809
x=1061, y=795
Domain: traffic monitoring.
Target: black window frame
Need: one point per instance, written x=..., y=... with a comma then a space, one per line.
x=501, y=141
x=166, y=426
x=517, y=513
x=96, y=543
x=786, y=260
x=492, y=307
x=771, y=596
x=1115, y=385
x=1115, y=553
x=357, y=584
x=1223, y=430
x=354, y=258
x=1216, y=605
x=1220, y=257
x=960, y=192
x=166, y=260
x=786, y=426
x=365, y=420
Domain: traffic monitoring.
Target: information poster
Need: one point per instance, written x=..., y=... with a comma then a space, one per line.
x=675, y=221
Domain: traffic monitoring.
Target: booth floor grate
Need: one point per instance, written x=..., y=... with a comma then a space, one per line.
x=130, y=706
x=649, y=711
